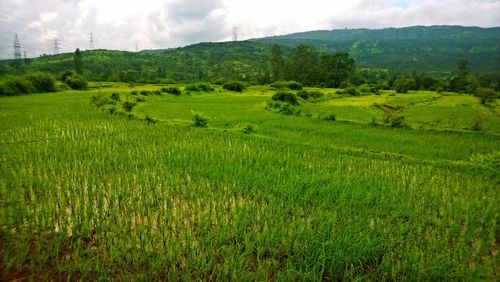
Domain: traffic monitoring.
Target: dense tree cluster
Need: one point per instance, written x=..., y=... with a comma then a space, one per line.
x=307, y=65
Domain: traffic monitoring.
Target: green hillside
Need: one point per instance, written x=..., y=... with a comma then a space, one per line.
x=433, y=48
x=436, y=48
x=204, y=61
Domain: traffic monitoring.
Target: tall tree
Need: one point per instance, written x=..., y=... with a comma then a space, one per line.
x=78, y=61
x=304, y=65
x=459, y=82
x=335, y=68
x=277, y=63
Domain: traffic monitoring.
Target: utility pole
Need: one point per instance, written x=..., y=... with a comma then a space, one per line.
x=136, y=48
x=17, y=55
x=56, y=46
x=91, y=46
x=235, y=33
x=17, y=48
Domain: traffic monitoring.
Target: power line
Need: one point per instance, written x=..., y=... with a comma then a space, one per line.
x=17, y=48
x=56, y=46
x=235, y=33
x=91, y=45
x=34, y=33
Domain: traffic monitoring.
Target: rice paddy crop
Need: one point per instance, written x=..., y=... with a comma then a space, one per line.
x=90, y=195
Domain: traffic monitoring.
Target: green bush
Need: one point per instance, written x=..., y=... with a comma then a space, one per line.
x=42, y=82
x=236, y=86
x=402, y=85
x=398, y=122
x=15, y=85
x=294, y=85
x=246, y=128
x=101, y=101
x=351, y=91
x=171, y=90
x=128, y=105
x=150, y=120
x=66, y=74
x=485, y=94
x=199, y=120
x=205, y=87
x=115, y=96
x=77, y=82
x=313, y=95
x=279, y=85
x=287, y=97
x=330, y=117
x=192, y=87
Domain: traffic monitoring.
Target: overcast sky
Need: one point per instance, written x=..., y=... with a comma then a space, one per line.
x=149, y=24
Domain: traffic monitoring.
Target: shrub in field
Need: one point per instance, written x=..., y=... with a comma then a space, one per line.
x=287, y=109
x=128, y=105
x=171, y=90
x=236, y=86
x=246, y=128
x=76, y=81
x=66, y=74
x=477, y=123
x=101, y=101
x=310, y=95
x=294, y=85
x=199, y=120
x=330, y=117
x=402, y=85
x=140, y=99
x=42, y=82
x=279, y=85
x=205, y=87
x=192, y=87
x=303, y=94
x=145, y=92
x=15, y=85
x=485, y=94
x=287, y=97
x=150, y=120
x=115, y=96
x=398, y=122
x=351, y=90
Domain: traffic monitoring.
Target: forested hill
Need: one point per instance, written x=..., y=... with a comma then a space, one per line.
x=421, y=49
x=432, y=48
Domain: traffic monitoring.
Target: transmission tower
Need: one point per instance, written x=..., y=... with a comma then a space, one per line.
x=17, y=48
x=56, y=46
x=235, y=33
x=91, y=46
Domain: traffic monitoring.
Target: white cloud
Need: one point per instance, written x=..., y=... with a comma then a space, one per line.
x=121, y=24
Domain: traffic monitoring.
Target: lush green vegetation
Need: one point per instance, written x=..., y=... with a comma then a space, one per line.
x=417, y=48
x=414, y=58
x=251, y=161
x=136, y=183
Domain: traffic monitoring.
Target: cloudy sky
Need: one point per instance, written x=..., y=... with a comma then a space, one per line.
x=149, y=24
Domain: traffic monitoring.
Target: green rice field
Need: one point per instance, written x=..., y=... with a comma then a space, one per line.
x=92, y=191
